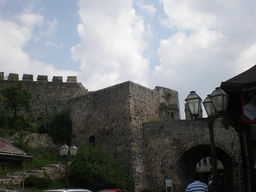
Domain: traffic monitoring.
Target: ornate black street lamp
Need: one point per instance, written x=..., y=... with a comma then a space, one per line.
x=215, y=104
x=64, y=152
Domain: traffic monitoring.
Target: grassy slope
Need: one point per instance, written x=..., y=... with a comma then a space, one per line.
x=41, y=158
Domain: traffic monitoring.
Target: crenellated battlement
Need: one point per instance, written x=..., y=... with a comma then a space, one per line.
x=47, y=97
x=40, y=78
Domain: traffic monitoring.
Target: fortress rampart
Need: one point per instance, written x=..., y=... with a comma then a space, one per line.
x=47, y=97
x=51, y=96
x=114, y=116
x=138, y=126
x=40, y=78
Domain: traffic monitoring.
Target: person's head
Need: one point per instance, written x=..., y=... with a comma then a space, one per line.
x=212, y=179
x=197, y=176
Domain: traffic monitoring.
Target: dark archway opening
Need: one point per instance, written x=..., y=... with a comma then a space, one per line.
x=186, y=165
x=204, y=166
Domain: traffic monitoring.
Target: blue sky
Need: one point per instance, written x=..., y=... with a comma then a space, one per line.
x=178, y=44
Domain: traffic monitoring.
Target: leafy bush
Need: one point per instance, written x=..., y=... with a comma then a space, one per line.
x=59, y=127
x=16, y=100
x=25, y=122
x=43, y=156
x=37, y=182
x=16, y=97
x=147, y=190
x=21, y=142
x=93, y=168
x=3, y=121
x=168, y=95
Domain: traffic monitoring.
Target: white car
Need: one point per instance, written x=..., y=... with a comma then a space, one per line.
x=67, y=190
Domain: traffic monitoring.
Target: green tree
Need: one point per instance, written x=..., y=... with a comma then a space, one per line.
x=15, y=98
x=94, y=168
x=60, y=127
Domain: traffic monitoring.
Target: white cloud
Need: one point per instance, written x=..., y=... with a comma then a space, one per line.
x=147, y=8
x=188, y=15
x=227, y=25
x=181, y=49
x=18, y=31
x=52, y=44
x=199, y=43
x=206, y=39
x=112, y=43
x=30, y=19
x=247, y=58
x=51, y=26
x=212, y=42
x=80, y=29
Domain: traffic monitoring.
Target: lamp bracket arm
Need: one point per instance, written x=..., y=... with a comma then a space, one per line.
x=208, y=120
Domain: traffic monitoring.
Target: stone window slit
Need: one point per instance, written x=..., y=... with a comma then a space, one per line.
x=92, y=141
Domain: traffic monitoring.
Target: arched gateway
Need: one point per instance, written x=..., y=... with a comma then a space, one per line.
x=186, y=166
x=174, y=148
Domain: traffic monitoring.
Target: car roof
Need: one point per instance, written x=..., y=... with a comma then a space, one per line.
x=111, y=190
x=67, y=190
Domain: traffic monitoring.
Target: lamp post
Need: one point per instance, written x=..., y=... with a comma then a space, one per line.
x=64, y=152
x=215, y=104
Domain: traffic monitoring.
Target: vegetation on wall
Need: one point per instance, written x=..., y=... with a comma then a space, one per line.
x=154, y=119
x=168, y=95
x=93, y=167
x=59, y=127
x=21, y=142
x=15, y=116
x=16, y=98
x=163, y=105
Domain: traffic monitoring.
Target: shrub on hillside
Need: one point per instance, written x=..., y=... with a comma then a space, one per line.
x=147, y=190
x=94, y=168
x=16, y=98
x=21, y=142
x=59, y=127
x=37, y=182
x=15, y=103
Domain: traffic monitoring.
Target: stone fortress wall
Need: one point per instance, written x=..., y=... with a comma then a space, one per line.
x=127, y=119
x=114, y=116
x=51, y=96
x=172, y=148
x=47, y=96
x=142, y=129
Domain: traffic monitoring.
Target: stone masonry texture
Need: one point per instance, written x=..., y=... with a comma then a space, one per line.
x=138, y=126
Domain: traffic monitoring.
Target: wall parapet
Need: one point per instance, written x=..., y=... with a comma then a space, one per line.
x=40, y=78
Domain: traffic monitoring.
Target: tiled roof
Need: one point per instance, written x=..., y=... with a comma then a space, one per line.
x=243, y=80
x=8, y=152
x=8, y=148
x=248, y=76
